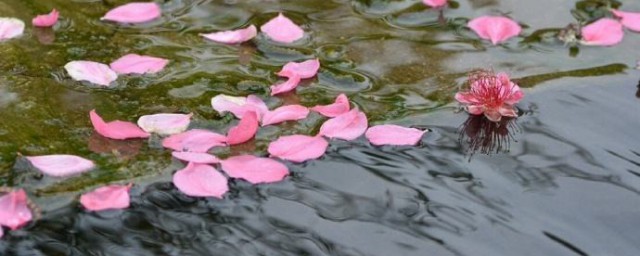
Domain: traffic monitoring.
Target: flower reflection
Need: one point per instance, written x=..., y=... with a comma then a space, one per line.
x=479, y=134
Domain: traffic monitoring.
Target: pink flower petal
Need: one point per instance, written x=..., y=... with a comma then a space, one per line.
x=10, y=28
x=118, y=130
x=604, y=32
x=282, y=29
x=389, y=134
x=347, y=126
x=305, y=69
x=233, y=36
x=245, y=130
x=466, y=98
x=435, y=3
x=631, y=20
x=289, y=85
x=195, y=157
x=194, y=141
x=138, y=64
x=165, y=124
x=46, y=20
x=507, y=110
x=493, y=115
x=14, y=209
x=201, y=181
x=93, y=72
x=298, y=148
x=255, y=169
x=239, y=105
x=107, y=197
x=496, y=29
x=285, y=113
x=340, y=106
x=133, y=13
x=61, y=165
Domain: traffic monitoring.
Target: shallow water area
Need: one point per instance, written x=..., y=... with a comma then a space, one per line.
x=561, y=179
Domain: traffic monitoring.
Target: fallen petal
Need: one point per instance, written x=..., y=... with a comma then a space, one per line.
x=107, y=197
x=631, y=20
x=233, y=36
x=389, y=134
x=245, y=130
x=165, y=124
x=435, y=3
x=194, y=141
x=298, y=148
x=134, y=13
x=494, y=28
x=282, y=29
x=239, y=105
x=138, y=64
x=201, y=181
x=347, y=126
x=93, y=72
x=46, y=20
x=14, y=209
x=118, y=130
x=305, y=69
x=291, y=83
x=340, y=106
x=254, y=169
x=61, y=165
x=10, y=28
x=195, y=157
x=604, y=32
x=285, y=113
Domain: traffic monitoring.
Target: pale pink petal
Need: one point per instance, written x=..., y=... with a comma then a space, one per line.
x=118, y=130
x=200, y=180
x=107, y=197
x=245, y=130
x=508, y=110
x=435, y=3
x=93, y=72
x=340, y=106
x=134, y=13
x=138, y=64
x=347, y=126
x=233, y=36
x=298, y=148
x=239, y=105
x=194, y=141
x=494, y=28
x=466, y=98
x=165, y=124
x=305, y=69
x=14, y=209
x=254, y=169
x=516, y=96
x=291, y=83
x=475, y=109
x=285, y=113
x=389, y=134
x=631, y=20
x=10, y=28
x=604, y=32
x=493, y=115
x=195, y=157
x=46, y=20
x=61, y=165
x=282, y=29
x=257, y=105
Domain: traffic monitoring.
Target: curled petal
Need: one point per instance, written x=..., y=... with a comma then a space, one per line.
x=285, y=113
x=90, y=71
x=46, y=20
x=496, y=29
x=289, y=85
x=14, y=209
x=134, y=13
x=233, y=36
x=194, y=141
x=435, y=3
x=255, y=169
x=604, y=32
x=282, y=29
x=305, y=69
x=107, y=197
x=347, y=126
x=10, y=28
x=200, y=180
x=298, y=148
x=245, y=130
x=340, y=106
x=239, y=105
x=165, y=124
x=195, y=157
x=138, y=64
x=117, y=130
x=393, y=135
x=631, y=20
x=61, y=165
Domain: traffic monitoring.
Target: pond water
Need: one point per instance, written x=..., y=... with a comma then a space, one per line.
x=562, y=179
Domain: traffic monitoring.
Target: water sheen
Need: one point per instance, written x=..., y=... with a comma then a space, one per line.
x=562, y=179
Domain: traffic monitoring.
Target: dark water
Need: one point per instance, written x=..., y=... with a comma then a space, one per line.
x=565, y=179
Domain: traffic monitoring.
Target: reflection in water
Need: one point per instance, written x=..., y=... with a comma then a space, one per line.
x=45, y=36
x=638, y=91
x=478, y=133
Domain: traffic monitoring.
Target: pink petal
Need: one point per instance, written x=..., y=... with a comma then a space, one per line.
x=61, y=165
x=10, y=28
x=340, y=106
x=496, y=29
x=239, y=105
x=305, y=69
x=282, y=29
x=603, y=32
x=435, y=3
x=138, y=64
x=194, y=141
x=289, y=85
x=508, y=110
x=118, y=130
x=233, y=36
x=200, y=180
x=298, y=148
x=133, y=13
x=93, y=72
x=475, y=109
x=46, y=20
x=195, y=157
x=14, y=209
x=493, y=115
x=165, y=124
x=107, y=197
x=285, y=113
x=347, y=126
x=254, y=103
x=631, y=20
x=255, y=169
x=466, y=98
x=393, y=135
x=245, y=130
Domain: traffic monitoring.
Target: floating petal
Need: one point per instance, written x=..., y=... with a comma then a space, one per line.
x=61, y=165
x=10, y=28
x=118, y=130
x=194, y=141
x=93, y=72
x=14, y=209
x=435, y=3
x=165, y=124
x=245, y=130
x=282, y=29
x=305, y=69
x=195, y=157
x=631, y=20
x=134, y=13
x=138, y=64
x=239, y=105
x=233, y=36
x=291, y=83
x=106, y=198
x=200, y=180
x=389, y=134
x=496, y=29
x=255, y=169
x=347, y=126
x=46, y=20
x=339, y=107
x=298, y=148
x=285, y=113
x=604, y=32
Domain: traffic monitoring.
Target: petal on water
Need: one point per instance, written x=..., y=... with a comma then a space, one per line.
x=200, y=180
x=92, y=72
x=285, y=113
x=138, y=64
x=347, y=126
x=165, y=124
x=118, y=130
x=282, y=29
x=61, y=165
x=291, y=83
x=339, y=107
x=136, y=12
x=194, y=141
x=245, y=130
x=494, y=28
x=298, y=148
x=389, y=134
x=46, y=20
x=255, y=169
x=14, y=209
x=196, y=157
x=233, y=36
x=630, y=20
x=10, y=28
x=305, y=69
x=107, y=197
x=604, y=32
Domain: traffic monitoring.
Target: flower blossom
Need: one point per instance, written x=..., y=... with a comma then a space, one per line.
x=493, y=95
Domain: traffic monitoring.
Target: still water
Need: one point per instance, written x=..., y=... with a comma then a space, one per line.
x=562, y=179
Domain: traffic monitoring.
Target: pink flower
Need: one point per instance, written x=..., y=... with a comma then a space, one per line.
x=491, y=94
